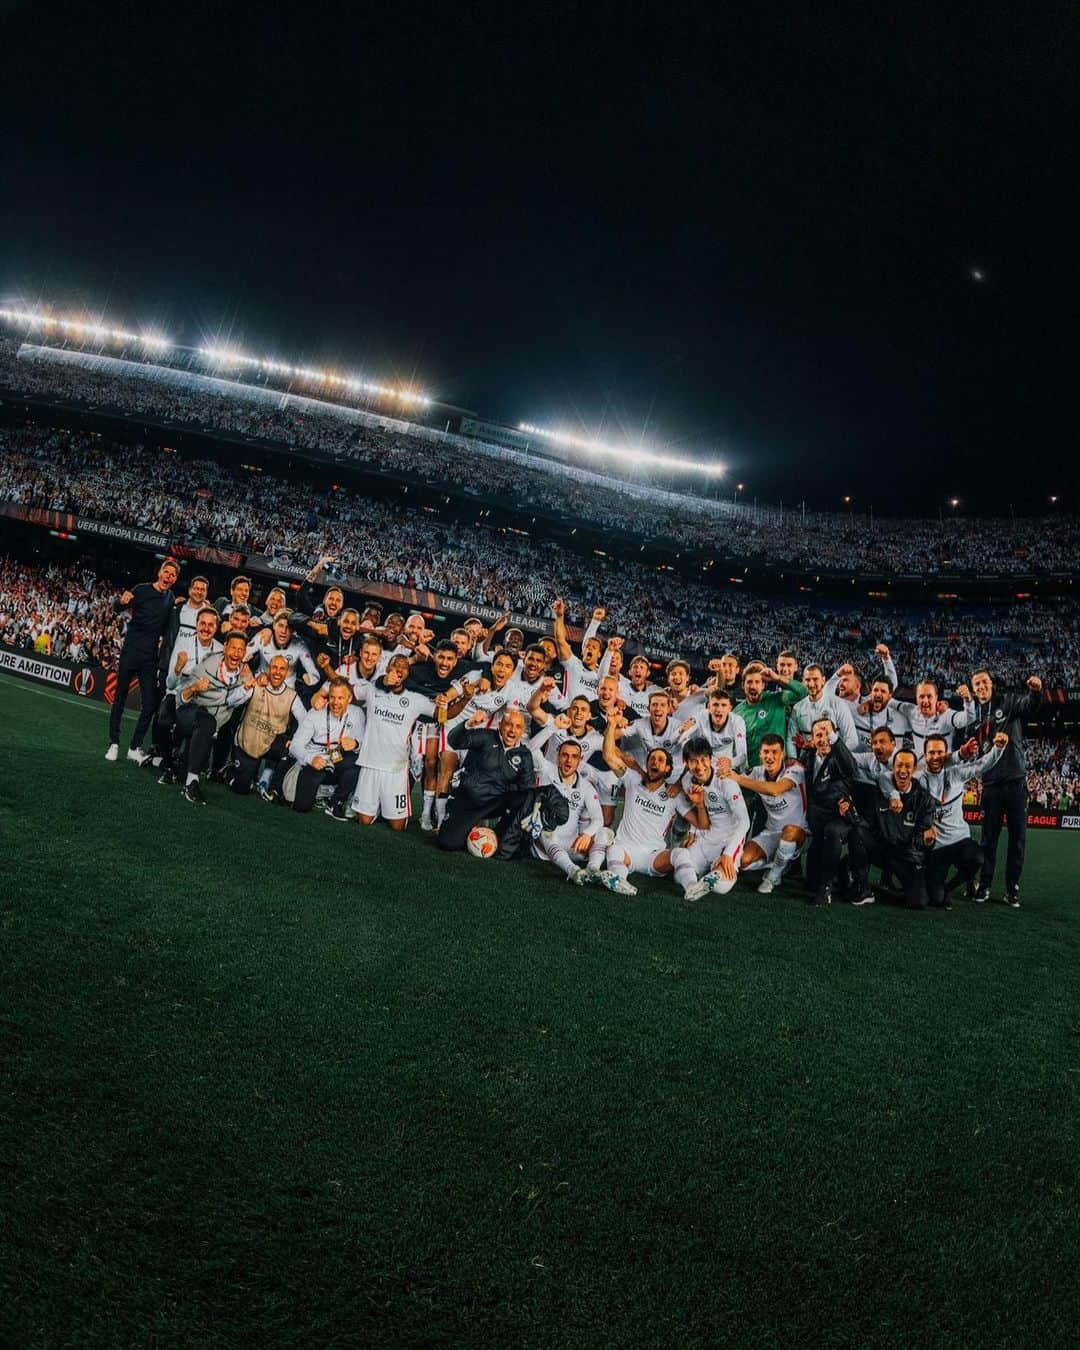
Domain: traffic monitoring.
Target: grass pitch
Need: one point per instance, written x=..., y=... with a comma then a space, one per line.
x=274, y=1080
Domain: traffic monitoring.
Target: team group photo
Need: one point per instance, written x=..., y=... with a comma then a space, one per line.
x=540, y=661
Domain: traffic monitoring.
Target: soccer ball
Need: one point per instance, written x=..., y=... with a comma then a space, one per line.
x=482, y=842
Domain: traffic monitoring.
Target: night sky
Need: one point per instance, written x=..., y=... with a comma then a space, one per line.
x=746, y=236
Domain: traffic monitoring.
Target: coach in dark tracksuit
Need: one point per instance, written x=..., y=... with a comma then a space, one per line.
x=1004, y=794
x=902, y=829
x=830, y=780
x=495, y=781
x=151, y=604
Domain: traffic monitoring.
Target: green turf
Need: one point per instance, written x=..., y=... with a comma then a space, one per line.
x=278, y=1081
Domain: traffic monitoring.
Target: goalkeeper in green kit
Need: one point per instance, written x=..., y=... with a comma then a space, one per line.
x=765, y=712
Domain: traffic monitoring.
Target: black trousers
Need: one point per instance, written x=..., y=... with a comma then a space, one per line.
x=223, y=743
x=829, y=837
x=343, y=776
x=134, y=665
x=244, y=769
x=909, y=871
x=199, y=728
x=165, y=729
x=965, y=855
x=463, y=813
x=1002, y=803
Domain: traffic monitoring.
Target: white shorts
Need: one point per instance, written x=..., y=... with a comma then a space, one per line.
x=382, y=792
x=641, y=859
x=769, y=841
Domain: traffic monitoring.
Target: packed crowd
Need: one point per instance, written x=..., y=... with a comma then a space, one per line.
x=657, y=609
x=58, y=611
x=820, y=541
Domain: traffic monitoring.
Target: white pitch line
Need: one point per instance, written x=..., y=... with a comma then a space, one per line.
x=60, y=696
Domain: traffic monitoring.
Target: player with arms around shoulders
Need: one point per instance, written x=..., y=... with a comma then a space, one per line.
x=576, y=847
x=716, y=813
x=640, y=843
x=783, y=794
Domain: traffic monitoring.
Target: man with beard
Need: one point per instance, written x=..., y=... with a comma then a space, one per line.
x=953, y=845
x=640, y=843
x=207, y=695
x=715, y=811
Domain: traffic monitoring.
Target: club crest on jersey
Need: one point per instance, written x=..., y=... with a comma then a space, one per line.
x=404, y=702
x=762, y=713
x=999, y=714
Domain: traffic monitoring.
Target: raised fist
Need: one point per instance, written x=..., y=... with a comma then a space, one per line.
x=126, y=598
x=964, y=692
x=599, y=614
x=882, y=651
x=695, y=794
x=1034, y=684
x=1001, y=740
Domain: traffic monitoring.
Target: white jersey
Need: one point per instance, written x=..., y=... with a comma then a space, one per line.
x=640, y=739
x=320, y=733
x=585, y=814
x=646, y=815
x=390, y=718
x=806, y=712
x=295, y=652
x=577, y=679
x=790, y=807
x=637, y=700
x=937, y=724
x=515, y=693
x=188, y=642
x=728, y=740
x=728, y=817
x=591, y=742
x=187, y=615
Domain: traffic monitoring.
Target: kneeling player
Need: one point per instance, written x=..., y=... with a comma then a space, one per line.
x=718, y=819
x=640, y=843
x=783, y=795
x=576, y=848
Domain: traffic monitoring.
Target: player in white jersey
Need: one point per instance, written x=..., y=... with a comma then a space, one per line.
x=573, y=725
x=931, y=716
x=846, y=684
x=659, y=730
x=783, y=795
x=816, y=705
x=278, y=639
x=582, y=673
x=636, y=687
x=716, y=813
x=723, y=729
x=606, y=707
x=383, y=786
x=878, y=710
x=576, y=847
x=640, y=843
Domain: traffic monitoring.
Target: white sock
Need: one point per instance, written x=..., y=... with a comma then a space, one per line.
x=685, y=874
x=191, y=778
x=615, y=864
x=429, y=803
x=440, y=809
x=558, y=854
x=785, y=851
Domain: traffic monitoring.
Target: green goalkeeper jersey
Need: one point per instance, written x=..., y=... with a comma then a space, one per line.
x=768, y=714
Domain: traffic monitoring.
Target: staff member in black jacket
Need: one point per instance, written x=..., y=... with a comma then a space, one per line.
x=495, y=781
x=1004, y=794
x=830, y=781
x=151, y=603
x=903, y=829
